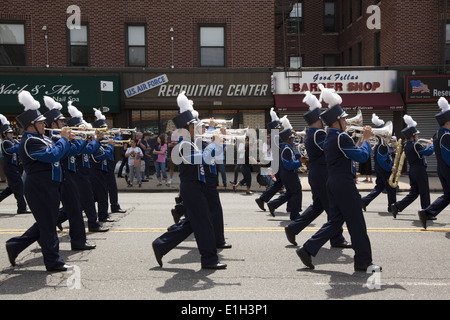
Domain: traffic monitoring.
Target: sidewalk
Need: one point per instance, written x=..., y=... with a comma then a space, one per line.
x=150, y=186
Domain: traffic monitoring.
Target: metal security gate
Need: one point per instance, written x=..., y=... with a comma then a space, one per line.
x=427, y=125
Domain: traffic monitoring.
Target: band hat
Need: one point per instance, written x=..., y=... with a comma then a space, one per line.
x=313, y=114
x=411, y=129
x=285, y=134
x=187, y=114
x=100, y=122
x=4, y=127
x=334, y=111
x=443, y=116
x=76, y=115
x=31, y=112
x=54, y=112
x=377, y=121
x=275, y=123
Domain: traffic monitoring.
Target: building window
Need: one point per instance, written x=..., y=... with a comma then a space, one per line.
x=136, y=46
x=295, y=62
x=78, y=50
x=447, y=43
x=377, y=45
x=212, y=46
x=330, y=60
x=12, y=44
x=329, y=19
x=295, y=21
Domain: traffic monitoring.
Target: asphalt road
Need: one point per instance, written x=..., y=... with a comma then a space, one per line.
x=262, y=265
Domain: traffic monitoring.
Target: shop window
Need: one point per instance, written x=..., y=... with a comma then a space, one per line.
x=145, y=121
x=212, y=46
x=12, y=44
x=78, y=47
x=136, y=46
x=330, y=60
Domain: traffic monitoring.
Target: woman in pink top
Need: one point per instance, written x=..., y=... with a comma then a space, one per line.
x=160, y=161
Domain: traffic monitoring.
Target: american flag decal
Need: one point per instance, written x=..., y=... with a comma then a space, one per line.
x=419, y=87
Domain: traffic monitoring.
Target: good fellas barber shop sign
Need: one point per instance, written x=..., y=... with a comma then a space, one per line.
x=342, y=81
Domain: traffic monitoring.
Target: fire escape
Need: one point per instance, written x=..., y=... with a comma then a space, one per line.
x=289, y=22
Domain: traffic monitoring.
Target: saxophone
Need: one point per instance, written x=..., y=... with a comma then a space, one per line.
x=398, y=164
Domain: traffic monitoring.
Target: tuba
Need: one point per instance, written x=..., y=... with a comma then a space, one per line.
x=398, y=165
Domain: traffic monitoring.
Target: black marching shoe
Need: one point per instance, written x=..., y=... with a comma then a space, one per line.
x=271, y=209
x=305, y=257
x=119, y=210
x=11, y=255
x=423, y=217
x=217, y=266
x=23, y=211
x=367, y=268
x=260, y=204
x=345, y=245
x=158, y=255
x=290, y=236
x=224, y=245
x=61, y=268
x=363, y=206
x=98, y=229
x=83, y=247
x=394, y=210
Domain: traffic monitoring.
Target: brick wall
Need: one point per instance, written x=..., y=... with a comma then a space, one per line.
x=249, y=25
x=409, y=33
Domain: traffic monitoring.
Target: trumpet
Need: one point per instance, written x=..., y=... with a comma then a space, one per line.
x=398, y=165
x=220, y=122
x=116, y=143
x=128, y=131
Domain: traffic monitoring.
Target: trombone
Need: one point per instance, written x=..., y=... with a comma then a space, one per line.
x=128, y=131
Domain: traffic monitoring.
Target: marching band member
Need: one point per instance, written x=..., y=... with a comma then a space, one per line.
x=441, y=141
x=270, y=192
x=289, y=164
x=42, y=186
x=383, y=168
x=344, y=198
x=83, y=168
x=71, y=205
x=317, y=175
x=12, y=167
x=418, y=177
x=192, y=190
x=99, y=171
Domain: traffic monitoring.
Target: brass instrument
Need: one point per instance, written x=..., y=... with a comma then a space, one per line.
x=220, y=122
x=384, y=133
x=117, y=143
x=398, y=165
x=357, y=120
x=128, y=131
x=425, y=142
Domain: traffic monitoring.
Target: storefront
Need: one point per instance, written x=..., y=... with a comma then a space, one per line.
x=150, y=98
x=422, y=94
x=371, y=91
x=85, y=91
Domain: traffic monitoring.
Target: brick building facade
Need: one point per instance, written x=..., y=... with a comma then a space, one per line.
x=237, y=59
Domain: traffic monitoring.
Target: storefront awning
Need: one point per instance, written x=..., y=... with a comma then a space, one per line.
x=365, y=101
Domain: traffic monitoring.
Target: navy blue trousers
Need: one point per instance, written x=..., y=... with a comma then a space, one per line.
x=381, y=184
x=44, y=203
x=345, y=206
x=71, y=209
x=197, y=221
x=317, y=178
x=15, y=186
